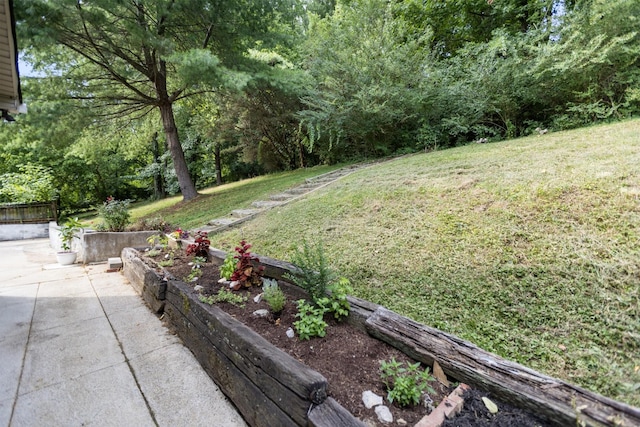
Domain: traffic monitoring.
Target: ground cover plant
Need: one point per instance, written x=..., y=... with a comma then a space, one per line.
x=527, y=248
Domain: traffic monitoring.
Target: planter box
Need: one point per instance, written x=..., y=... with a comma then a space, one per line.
x=271, y=388
x=99, y=246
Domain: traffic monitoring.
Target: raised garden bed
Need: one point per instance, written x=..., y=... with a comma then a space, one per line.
x=270, y=387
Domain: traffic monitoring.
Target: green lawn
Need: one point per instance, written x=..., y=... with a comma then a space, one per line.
x=216, y=202
x=529, y=248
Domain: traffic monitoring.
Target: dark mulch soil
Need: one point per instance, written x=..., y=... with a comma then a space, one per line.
x=476, y=414
x=348, y=358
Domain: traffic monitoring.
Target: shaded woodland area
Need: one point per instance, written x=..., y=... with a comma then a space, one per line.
x=141, y=99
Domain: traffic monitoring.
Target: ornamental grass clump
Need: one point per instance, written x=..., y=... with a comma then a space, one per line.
x=273, y=295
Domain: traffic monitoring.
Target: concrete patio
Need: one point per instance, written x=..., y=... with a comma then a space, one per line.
x=78, y=347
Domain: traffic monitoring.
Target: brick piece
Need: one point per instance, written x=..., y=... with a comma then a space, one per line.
x=448, y=408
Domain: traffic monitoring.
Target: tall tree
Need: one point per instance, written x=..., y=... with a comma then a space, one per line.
x=132, y=56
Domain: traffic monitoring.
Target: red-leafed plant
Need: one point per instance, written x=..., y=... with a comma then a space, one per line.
x=246, y=274
x=200, y=247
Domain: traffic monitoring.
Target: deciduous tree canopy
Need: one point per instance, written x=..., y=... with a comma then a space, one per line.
x=254, y=86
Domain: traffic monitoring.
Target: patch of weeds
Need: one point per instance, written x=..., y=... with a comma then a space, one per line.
x=166, y=263
x=405, y=383
x=311, y=323
x=273, y=295
x=224, y=295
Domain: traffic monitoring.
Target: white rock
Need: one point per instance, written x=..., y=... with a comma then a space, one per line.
x=198, y=288
x=427, y=401
x=257, y=298
x=261, y=313
x=401, y=422
x=233, y=284
x=290, y=333
x=370, y=399
x=223, y=280
x=384, y=414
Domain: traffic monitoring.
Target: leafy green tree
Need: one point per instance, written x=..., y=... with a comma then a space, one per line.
x=591, y=68
x=33, y=183
x=131, y=57
x=371, y=94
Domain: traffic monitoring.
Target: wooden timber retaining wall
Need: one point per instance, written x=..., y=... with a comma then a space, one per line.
x=270, y=388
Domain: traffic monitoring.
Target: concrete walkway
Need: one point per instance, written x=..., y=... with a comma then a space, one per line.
x=78, y=347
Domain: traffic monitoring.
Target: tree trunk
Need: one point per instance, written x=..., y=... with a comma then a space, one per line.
x=158, y=180
x=218, y=161
x=179, y=163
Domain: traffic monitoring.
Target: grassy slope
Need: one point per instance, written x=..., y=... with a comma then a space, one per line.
x=218, y=202
x=528, y=248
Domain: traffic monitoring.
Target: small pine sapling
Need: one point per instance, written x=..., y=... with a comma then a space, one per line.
x=313, y=274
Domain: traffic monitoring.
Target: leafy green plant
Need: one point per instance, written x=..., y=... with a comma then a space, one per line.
x=311, y=323
x=68, y=232
x=228, y=267
x=313, y=274
x=198, y=261
x=273, y=295
x=405, y=383
x=166, y=262
x=245, y=273
x=115, y=214
x=224, y=295
x=193, y=276
x=154, y=252
x=159, y=239
x=336, y=302
x=33, y=183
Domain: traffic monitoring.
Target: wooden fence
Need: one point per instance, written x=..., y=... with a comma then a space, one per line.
x=29, y=213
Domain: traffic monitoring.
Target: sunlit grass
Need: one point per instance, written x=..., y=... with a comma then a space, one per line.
x=219, y=201
x=529, y=248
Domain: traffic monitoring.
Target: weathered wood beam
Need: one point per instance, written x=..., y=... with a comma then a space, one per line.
x=560, y=403
x=289, y=384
